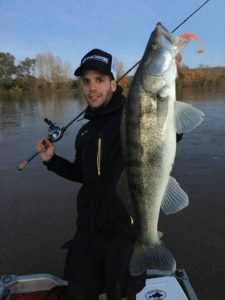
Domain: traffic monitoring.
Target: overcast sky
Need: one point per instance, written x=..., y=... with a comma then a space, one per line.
x=70, y=28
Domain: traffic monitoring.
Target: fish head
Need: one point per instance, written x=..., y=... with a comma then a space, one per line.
x=159, y=60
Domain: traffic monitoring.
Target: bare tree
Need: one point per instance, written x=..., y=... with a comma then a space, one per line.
x=119, y=68
x=50, y=67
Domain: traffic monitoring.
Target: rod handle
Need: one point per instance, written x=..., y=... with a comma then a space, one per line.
x=24, y=163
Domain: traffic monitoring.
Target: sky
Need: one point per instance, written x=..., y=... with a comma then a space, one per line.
x=71, y=28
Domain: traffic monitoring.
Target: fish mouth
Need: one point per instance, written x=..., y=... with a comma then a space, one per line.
x=162, y=48
x=158, y=66
x=168, y=40
x=166, y=33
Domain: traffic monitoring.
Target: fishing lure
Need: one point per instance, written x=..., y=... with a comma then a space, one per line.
x=189, y=35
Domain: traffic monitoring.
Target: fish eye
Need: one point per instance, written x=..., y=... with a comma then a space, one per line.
x=155, y=45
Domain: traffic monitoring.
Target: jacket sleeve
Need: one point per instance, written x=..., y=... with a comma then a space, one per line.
x=62, y=167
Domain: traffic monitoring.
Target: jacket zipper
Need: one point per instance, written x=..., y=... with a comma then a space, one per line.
x=99, y=156
x=131, y=220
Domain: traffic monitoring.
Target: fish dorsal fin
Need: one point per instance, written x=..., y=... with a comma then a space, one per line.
x=187, y=117
x=123, y=191
x=175, y=199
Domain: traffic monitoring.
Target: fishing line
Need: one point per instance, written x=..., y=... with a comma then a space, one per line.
x=55, y=133
x=178, y=26
x=190, y=16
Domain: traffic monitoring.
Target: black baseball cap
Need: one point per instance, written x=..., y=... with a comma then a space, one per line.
x=99, y=60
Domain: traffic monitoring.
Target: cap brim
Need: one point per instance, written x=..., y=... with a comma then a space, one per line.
x=78, y=71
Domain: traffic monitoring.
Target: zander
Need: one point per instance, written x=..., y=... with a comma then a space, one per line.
x=151, y=118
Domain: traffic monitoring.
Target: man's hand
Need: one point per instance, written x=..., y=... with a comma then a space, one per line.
x=46, y=149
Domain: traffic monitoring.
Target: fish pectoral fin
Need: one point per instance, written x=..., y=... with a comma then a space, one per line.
x=123, y=191
x=175, y=199
x=187, y=117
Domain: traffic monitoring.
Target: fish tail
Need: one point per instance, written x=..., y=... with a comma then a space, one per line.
x=156, y=260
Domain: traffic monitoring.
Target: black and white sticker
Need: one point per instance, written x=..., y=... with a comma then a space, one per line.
x=155, y=295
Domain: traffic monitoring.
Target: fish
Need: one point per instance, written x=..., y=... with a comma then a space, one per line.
x=150, y=120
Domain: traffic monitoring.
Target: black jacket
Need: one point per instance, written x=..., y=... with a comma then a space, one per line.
x=98, y=164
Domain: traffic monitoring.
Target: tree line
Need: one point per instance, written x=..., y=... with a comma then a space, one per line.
x=45, y=71
x=204, y=77
x=48, y=71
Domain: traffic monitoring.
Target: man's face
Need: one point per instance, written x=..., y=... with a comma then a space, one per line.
x=97, y=88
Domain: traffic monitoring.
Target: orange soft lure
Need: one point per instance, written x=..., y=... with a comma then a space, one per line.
x=190, y=35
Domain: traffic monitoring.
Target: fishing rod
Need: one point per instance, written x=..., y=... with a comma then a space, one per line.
x=55, y=133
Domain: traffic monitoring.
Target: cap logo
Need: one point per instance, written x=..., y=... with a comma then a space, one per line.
x=96, y=57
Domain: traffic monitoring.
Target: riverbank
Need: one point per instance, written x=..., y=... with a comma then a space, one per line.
x=208, y=79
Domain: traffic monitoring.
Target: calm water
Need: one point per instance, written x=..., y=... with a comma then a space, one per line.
x=38, y=209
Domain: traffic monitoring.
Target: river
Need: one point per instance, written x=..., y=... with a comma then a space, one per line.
x=38, y=209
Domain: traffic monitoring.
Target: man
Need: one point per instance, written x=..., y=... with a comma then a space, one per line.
x=100, y=251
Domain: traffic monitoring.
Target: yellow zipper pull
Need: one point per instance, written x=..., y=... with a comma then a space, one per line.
x=99, y=156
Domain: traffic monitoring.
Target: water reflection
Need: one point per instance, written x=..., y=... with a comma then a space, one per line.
x=31, y=108
x=21, y=121
x=27, y=109
x=199, y=94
